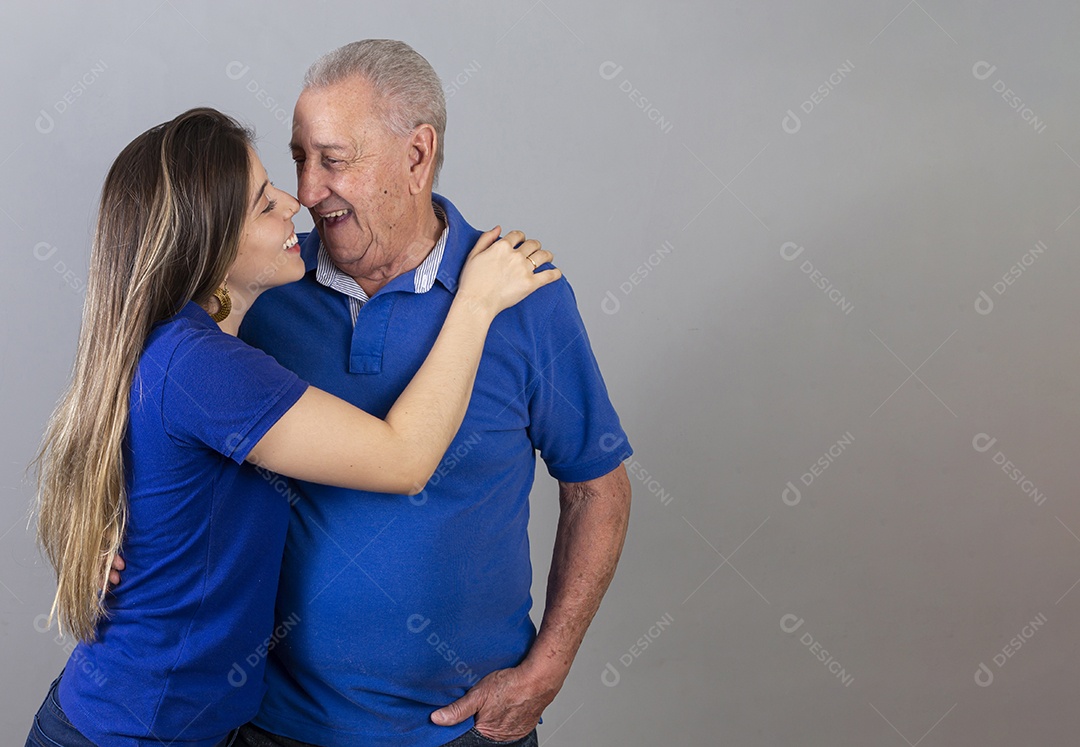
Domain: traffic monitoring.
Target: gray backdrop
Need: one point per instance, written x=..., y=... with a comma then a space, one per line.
x=824, y=253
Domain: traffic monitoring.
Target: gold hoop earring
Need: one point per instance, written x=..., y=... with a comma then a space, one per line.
x=224, y=303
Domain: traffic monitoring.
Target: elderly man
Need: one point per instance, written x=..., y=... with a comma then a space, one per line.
x=410, y=614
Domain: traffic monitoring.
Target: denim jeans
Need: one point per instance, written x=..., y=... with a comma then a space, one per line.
x=253, y=736
x=52, y=729
x=473, y=738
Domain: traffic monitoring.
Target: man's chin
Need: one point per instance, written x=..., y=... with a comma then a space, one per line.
x=340, y=235
x=343, y=255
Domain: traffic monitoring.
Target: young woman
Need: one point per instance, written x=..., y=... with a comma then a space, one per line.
x=156, y=445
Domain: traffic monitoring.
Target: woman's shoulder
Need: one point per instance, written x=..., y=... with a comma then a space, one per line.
x=186, y=338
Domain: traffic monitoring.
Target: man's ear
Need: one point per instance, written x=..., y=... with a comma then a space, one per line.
x=423, y=143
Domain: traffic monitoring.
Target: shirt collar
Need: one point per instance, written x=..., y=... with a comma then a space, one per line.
x=461, y=237
x=195, y=313
x=424, y=275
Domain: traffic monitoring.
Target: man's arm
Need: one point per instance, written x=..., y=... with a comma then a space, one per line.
x=592, y=526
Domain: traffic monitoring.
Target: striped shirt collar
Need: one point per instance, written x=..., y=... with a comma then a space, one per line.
x=328, y=274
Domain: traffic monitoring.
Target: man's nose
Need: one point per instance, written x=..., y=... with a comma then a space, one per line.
x=310, y=188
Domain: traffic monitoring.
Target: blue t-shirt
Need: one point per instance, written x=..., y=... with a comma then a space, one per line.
x=407, y=602
x=181, y=657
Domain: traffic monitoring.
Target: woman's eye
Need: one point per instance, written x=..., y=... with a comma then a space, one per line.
x=270, y=206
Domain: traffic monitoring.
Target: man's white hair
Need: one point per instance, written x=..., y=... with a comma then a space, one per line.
x=408, y=91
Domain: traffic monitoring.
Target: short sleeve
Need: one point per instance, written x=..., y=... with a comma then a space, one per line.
x=572, y=421
x=221, y=393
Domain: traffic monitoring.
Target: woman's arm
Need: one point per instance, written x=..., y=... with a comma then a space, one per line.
x=325, y=439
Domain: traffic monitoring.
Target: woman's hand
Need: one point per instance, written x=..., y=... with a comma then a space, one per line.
x=498, y=274
x=323, y=439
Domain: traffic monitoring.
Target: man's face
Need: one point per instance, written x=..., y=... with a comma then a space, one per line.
x=351, y=173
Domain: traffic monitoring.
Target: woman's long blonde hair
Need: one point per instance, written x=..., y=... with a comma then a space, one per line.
x=169, y=226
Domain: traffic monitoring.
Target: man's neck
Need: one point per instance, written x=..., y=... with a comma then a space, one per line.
x=409, y=257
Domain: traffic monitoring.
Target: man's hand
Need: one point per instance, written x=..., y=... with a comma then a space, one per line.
x=507, y=704
x=593, y=515
x=114, y=572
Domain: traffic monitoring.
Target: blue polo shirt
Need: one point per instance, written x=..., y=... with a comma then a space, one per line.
x=408, y=602
x=180, y=658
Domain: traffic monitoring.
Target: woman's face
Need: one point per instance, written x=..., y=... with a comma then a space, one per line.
x=269, y=254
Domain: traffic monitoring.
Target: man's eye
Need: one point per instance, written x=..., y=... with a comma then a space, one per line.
x=332, y=161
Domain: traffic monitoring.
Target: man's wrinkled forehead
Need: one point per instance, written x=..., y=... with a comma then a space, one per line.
x=334, y=117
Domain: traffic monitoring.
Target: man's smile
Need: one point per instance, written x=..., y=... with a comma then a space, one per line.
x=335, y=217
